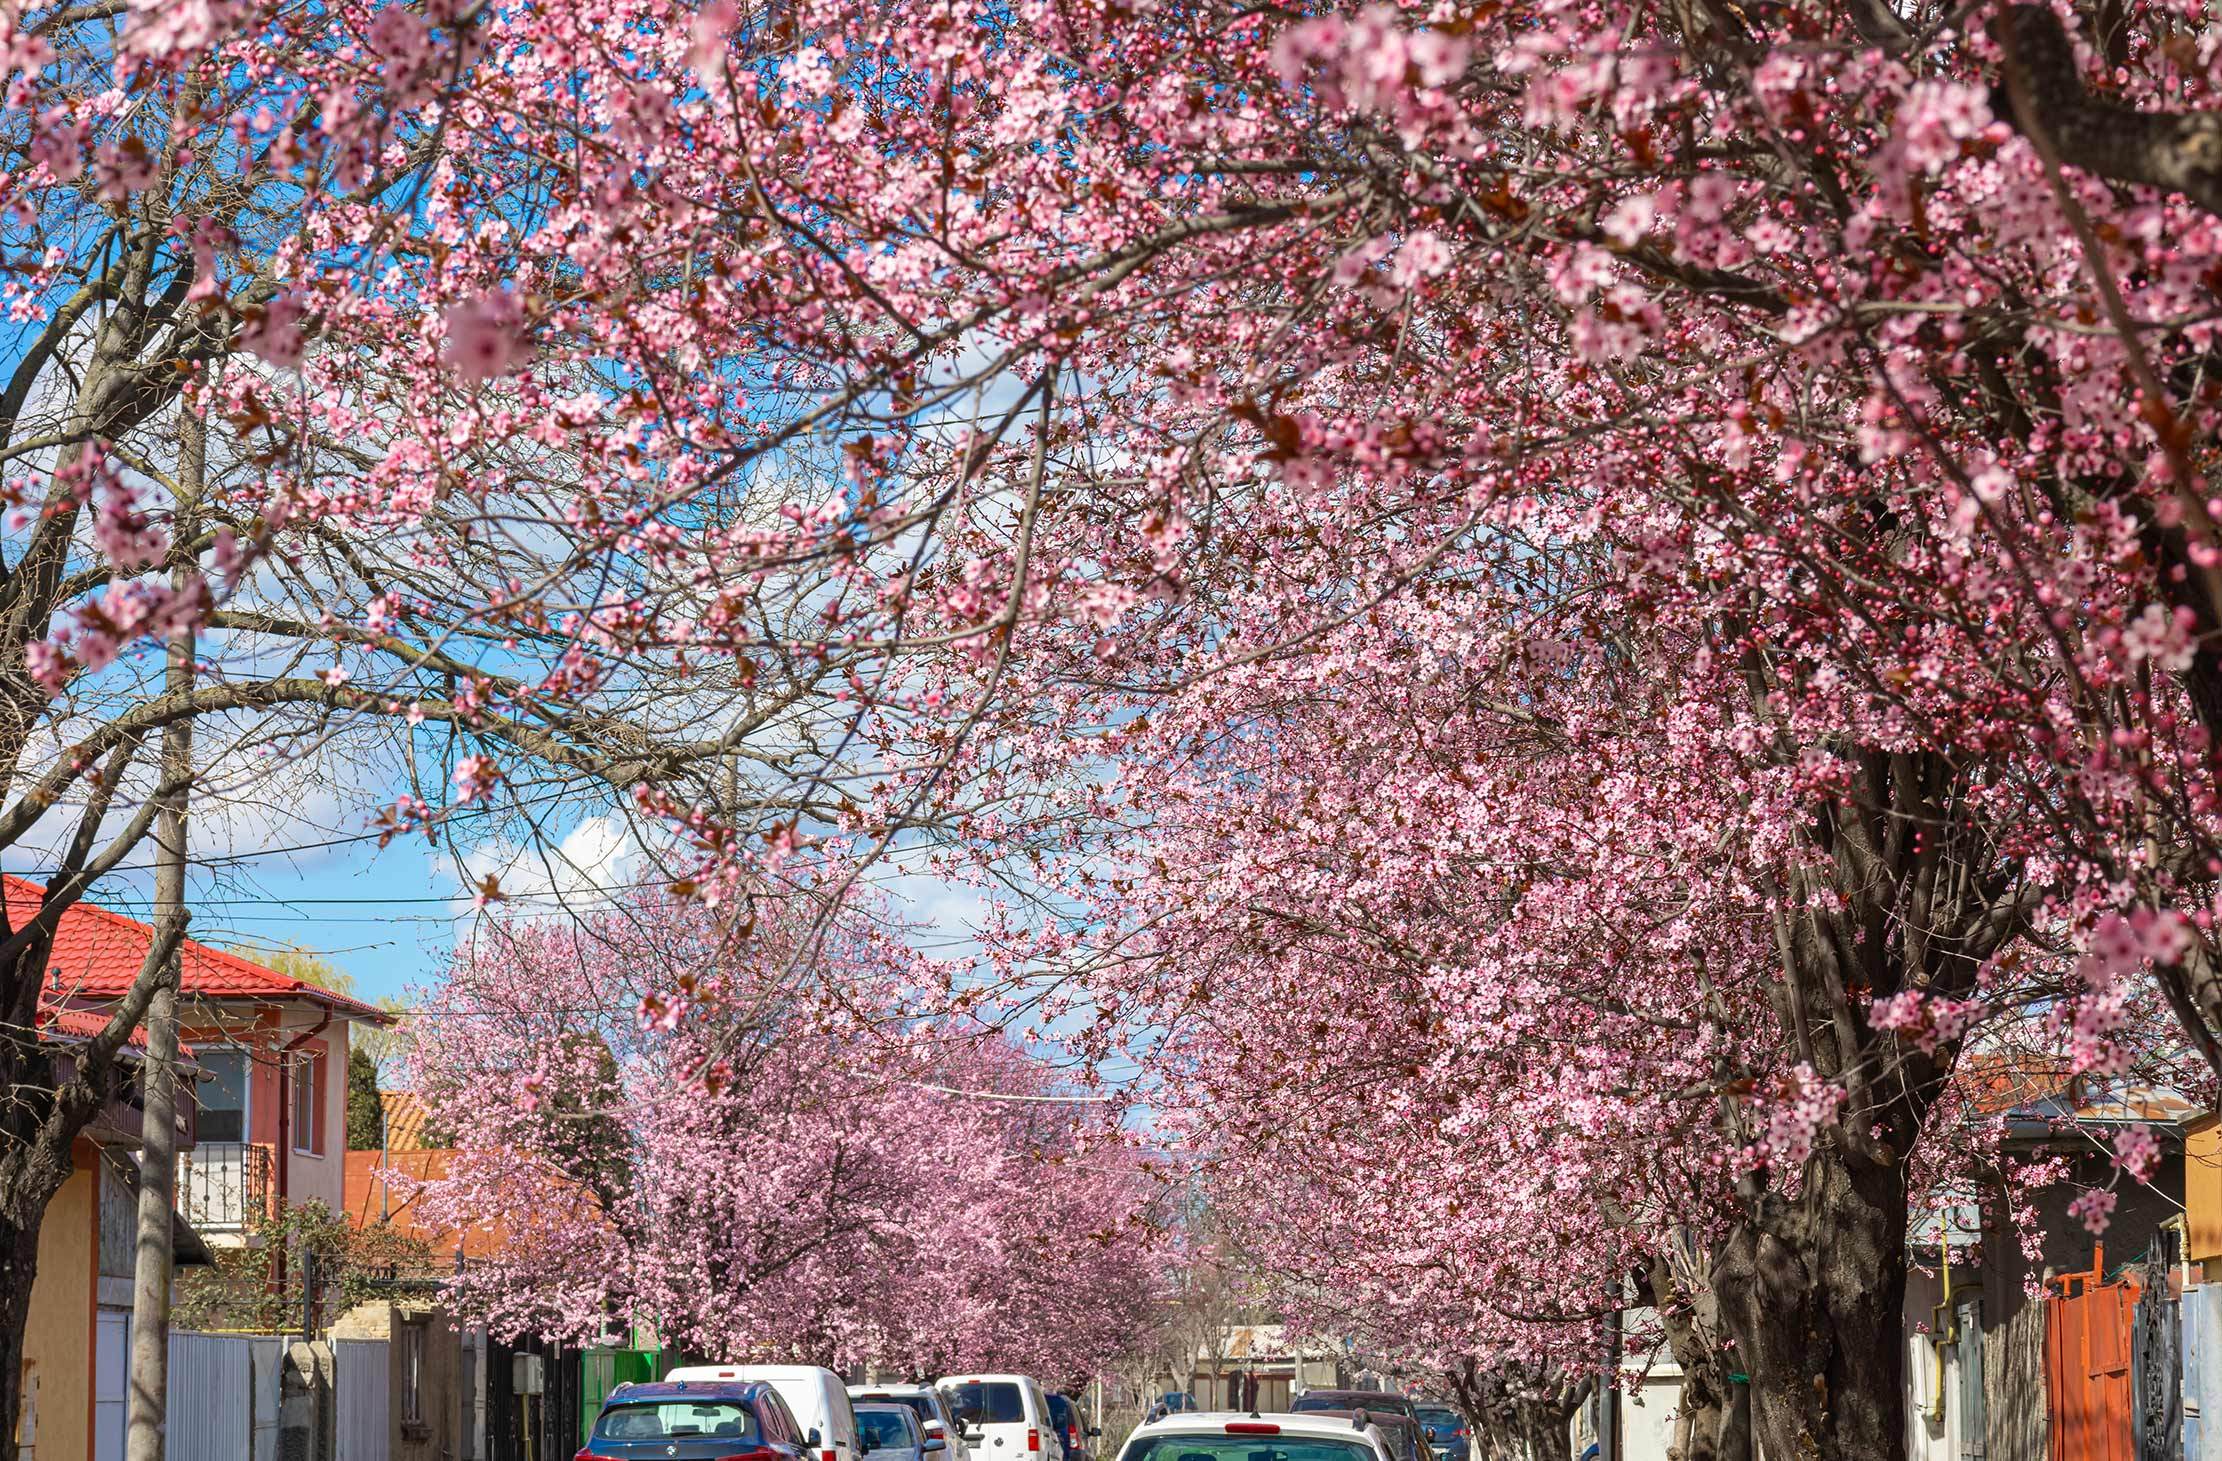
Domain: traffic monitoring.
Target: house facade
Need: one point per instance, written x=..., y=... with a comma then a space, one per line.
x=265, y=1055
x=271, y=1050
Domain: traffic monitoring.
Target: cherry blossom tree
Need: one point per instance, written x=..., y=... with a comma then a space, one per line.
x=664, y=1131
x=1816, y=400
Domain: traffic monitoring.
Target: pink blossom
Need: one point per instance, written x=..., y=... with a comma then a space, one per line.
x=486, y=336
x=2094, y=1208
x=1423, y=256
x=474, y=777
x=275, y=334
x=2137, y=1151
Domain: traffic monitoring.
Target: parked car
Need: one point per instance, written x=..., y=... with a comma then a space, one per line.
x=892, y=1433
x=935, y=1418
x=1192, y=1435
x=1170, y=1404
x=817, y=1399
x=1446, y=1430
x=1397, y=1417
x=715, y=1420
x=1064, y=1414
x=1004, y=1417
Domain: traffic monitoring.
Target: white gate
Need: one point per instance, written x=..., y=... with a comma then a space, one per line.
x=111, y=1381
x=362, y=1382
x=2202, y=1373
x=210, y=1397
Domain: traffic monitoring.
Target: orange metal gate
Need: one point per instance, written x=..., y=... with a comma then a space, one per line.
x=2088, y=1391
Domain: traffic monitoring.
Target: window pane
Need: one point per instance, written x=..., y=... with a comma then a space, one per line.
x=304, y=1103
x=1249, y=1448
x=659, y=1420
x=998, y=1403
x=222, y=1093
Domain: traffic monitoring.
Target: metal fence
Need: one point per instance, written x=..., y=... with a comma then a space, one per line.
x=2202, y=1372
x=212, y=1396
x=222, y=1186
x=362, y=1384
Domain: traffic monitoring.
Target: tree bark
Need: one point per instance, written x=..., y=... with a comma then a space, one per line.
x=1813, y=1289
x=147, y=1426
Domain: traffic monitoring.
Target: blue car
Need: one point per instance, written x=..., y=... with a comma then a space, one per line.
x=695, y=1420
x=1446, y=1430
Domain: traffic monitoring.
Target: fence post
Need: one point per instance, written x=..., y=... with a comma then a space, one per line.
x=305, y=1409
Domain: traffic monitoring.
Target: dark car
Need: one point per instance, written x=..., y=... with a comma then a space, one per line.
x=695, y=1420
x=1065, y=1416
x=1446, y=1430
x=935, y=1420
x=1394, y=1414
x=894, y=1430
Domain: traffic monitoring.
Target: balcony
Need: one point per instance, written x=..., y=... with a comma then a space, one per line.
x=224, y=1186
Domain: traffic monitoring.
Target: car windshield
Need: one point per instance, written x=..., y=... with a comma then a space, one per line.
x=1439, y=1415
x=885, y=1428
x=918, y=1405
x=661, y=1420
x=987, y=1403
x=1247, y=1448
x=1352, y=1400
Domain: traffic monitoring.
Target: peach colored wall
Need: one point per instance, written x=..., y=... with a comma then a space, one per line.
x=58, y=1336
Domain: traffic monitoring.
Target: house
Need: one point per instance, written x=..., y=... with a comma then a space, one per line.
x=2080, y=1348
x=76, y=1338
x=272, y=1056
x=1259, y=1367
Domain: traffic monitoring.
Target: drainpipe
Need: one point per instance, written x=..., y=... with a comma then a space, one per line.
x=285, y=1125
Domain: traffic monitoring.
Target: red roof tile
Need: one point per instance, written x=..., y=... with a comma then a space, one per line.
x=61, y=1022
x=97, y=954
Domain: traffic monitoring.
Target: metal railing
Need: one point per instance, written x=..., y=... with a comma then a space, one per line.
x=223, y=1186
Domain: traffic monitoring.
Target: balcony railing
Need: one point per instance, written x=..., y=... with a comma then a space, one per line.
x=223, y=1186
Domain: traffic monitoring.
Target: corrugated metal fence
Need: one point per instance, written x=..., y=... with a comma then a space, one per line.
x=2202, y=1373
x=223, y=1396
x=212, y=1395
x=361, y=1381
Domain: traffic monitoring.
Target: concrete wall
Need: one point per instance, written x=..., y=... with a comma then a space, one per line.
x=58, y=1337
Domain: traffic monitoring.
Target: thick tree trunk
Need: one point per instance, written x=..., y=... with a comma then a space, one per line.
x=1813, y=1290
x=19, y=1264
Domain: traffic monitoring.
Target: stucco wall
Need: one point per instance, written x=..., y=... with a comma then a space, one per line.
x=308, y=1177
x=58, y=1336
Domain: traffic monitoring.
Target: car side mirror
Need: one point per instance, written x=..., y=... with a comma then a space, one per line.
x=1095, y=1430
x=811, y=1440
x=935, y=1443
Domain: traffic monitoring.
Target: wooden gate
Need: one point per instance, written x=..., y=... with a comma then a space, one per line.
x=2089, y=1350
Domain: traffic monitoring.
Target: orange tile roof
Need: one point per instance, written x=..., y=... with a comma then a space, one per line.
x=405, y=1118
x=97, y=954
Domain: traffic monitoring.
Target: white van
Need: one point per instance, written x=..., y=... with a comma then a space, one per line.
x=819, y=1400
x=1005, y=1417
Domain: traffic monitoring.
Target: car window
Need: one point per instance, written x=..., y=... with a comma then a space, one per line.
x=918, y=1405
x=1248, y=1448
x=775, y=1405
x=994, y=1402
x=886, y=1428
x=659, y=1420
x=1438, y=1415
